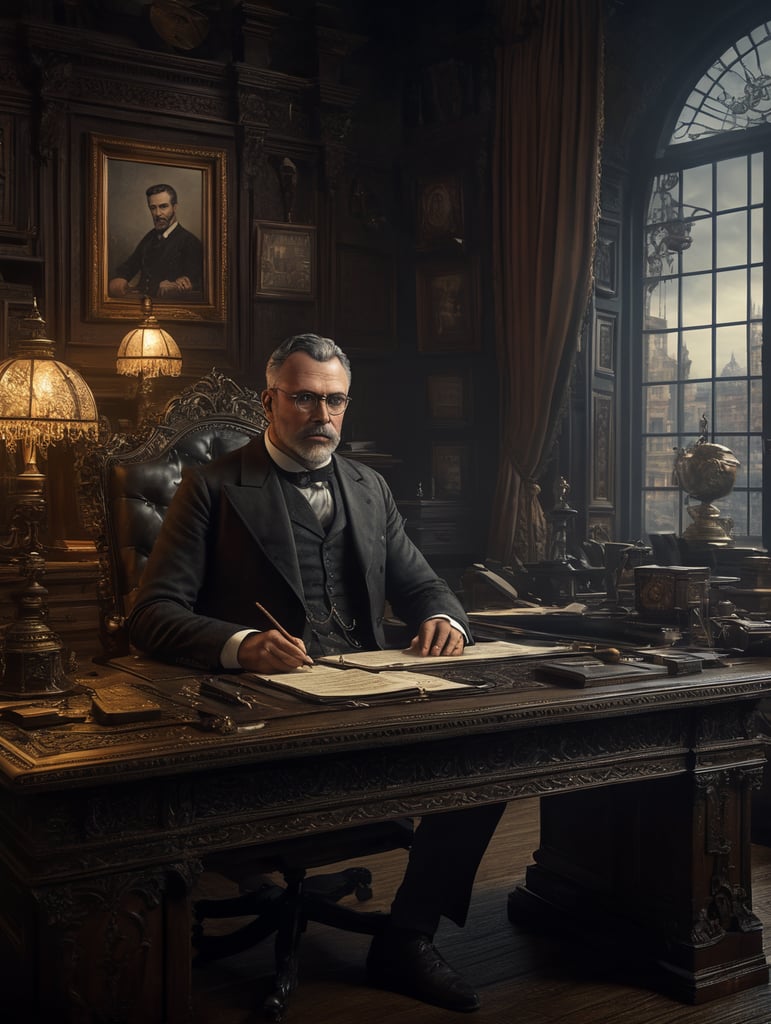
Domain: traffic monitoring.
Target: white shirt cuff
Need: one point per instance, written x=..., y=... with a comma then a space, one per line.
x=454, y=624
x=229, y=652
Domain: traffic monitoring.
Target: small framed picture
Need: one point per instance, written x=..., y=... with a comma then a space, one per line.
x=450, y=465
x=605, y=344
x=449, y=398
x=440, y=211
x=446, y=304
x=606, y=260
x=285, y=260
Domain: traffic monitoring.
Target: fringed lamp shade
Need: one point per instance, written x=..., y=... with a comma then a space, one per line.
x=148, y=350
x=43, y=400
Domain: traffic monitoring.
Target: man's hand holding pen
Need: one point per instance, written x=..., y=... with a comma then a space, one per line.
x=272, y=651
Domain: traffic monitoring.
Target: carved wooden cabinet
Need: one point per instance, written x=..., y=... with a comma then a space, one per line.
x=439, y=526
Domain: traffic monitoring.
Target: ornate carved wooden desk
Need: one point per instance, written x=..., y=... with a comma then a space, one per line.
x=645, y=823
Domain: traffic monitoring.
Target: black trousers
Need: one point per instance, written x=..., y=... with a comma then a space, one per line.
x=443, y=862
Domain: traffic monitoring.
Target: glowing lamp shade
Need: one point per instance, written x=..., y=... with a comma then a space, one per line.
x=41, y=399
x=148, y=350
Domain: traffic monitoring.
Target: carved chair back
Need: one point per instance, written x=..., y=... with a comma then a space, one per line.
x=128, y=482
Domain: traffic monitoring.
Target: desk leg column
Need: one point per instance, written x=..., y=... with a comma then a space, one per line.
x=658, y=874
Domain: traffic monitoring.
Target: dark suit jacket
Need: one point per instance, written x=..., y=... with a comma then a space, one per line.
x=166, y=259
x=227, y=542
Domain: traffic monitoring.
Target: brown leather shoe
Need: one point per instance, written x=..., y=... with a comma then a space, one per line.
x=413, y=966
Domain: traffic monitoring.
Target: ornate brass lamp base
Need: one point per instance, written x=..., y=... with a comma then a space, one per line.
x=708, y=526
x=32, y=652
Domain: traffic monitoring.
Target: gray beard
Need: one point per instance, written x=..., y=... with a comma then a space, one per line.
x=315, y=455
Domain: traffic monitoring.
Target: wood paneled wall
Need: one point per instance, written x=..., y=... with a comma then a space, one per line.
x=311, y=133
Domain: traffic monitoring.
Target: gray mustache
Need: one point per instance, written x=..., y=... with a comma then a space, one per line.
x=321, y=431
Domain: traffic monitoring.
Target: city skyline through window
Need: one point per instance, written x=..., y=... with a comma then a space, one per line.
x=702, y=325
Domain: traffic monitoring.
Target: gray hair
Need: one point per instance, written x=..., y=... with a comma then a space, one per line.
x=318, y=348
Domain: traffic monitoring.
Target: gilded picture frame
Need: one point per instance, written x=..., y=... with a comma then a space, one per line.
x=284, y=260
x=120, y=222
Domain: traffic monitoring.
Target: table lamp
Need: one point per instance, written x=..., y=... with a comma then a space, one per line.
x=42, y=401
x=148, y=351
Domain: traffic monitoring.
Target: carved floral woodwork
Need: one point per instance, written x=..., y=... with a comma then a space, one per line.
x=102, y=830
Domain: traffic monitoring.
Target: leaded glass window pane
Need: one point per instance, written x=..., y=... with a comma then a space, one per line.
x=734, y=94
x=702, y=332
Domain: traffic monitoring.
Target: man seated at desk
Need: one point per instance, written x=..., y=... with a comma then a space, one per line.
x=319, y=542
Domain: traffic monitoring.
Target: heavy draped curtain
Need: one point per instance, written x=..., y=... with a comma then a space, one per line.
x=546, y=158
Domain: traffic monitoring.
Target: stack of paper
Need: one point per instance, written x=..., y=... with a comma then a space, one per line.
x=484, y=651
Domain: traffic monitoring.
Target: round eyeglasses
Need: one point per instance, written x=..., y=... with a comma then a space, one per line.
x=308, y=401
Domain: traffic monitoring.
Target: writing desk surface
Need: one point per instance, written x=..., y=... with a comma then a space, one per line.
x=283, y=727
x=105, y=823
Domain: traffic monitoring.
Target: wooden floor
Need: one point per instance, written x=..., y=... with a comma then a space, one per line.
x=522, y=978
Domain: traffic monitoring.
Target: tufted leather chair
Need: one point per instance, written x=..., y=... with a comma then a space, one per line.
x=127, y=484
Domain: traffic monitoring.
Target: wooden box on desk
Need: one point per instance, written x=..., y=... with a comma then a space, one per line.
x=439, y=526
x=72, y=604
x=664, y=592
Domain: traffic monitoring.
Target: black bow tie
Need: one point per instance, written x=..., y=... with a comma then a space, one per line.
x=308, y=476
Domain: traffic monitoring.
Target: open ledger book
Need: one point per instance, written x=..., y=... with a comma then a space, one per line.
x=323, y=684
x=482, y=651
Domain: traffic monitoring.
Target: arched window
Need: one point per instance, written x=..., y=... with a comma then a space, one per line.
x=702, y=318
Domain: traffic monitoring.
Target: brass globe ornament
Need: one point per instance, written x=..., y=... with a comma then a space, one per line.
x=706, y=471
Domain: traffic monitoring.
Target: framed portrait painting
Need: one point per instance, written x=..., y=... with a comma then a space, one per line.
x=440, y=211
x=446, y=304
x=285, y=260
x=157, y=227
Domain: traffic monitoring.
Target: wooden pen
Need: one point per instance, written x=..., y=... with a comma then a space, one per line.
x=277, y=625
